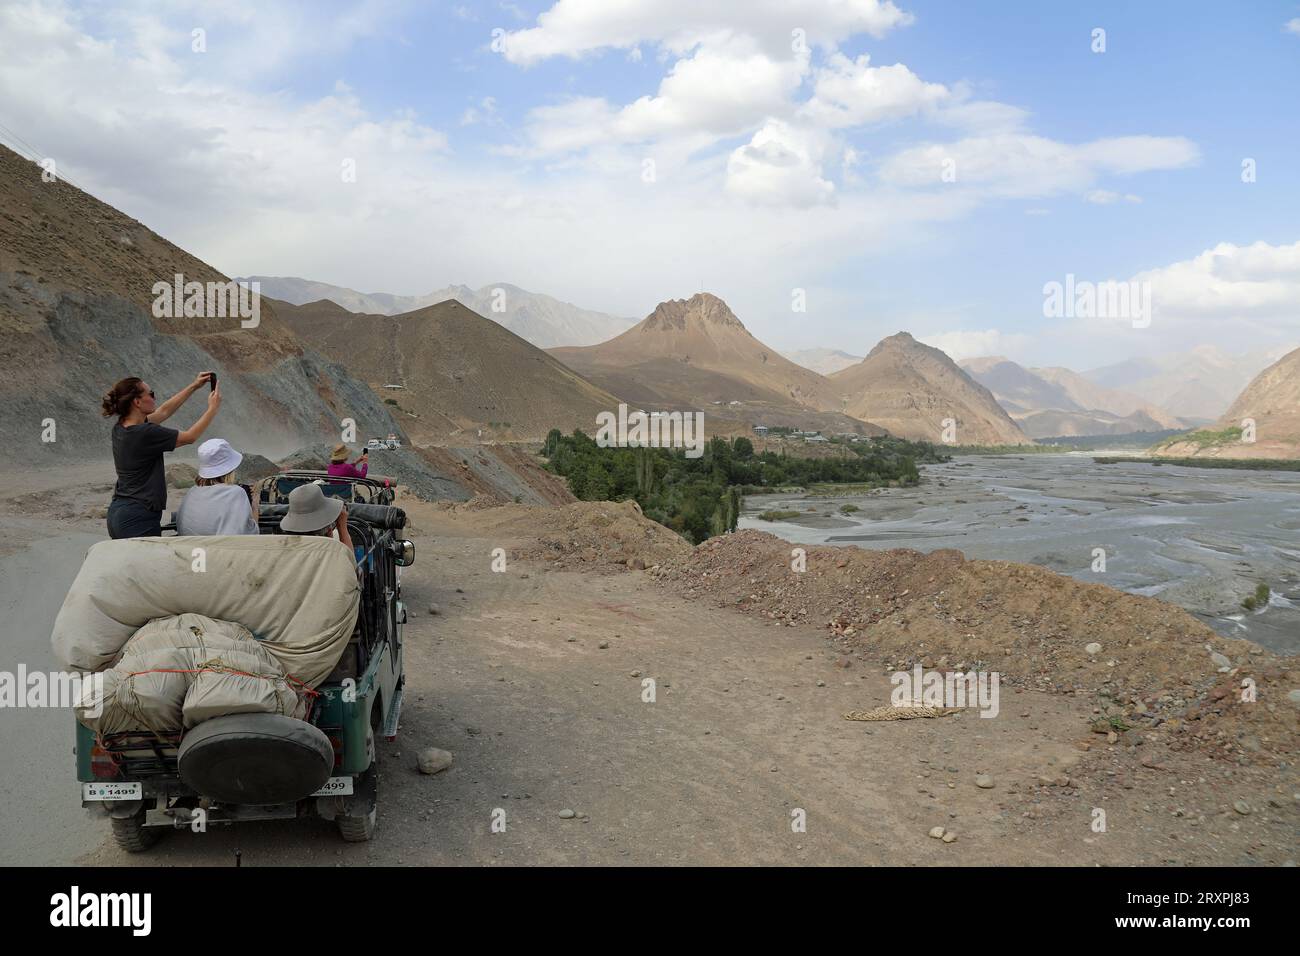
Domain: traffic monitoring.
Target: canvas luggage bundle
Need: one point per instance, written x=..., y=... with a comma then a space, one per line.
x=298, y=596
x=177, y=672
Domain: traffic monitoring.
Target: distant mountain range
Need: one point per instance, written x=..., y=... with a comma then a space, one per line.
x=823, y=361
x=1197, y=384
x=540, y=319
x=1054, y=402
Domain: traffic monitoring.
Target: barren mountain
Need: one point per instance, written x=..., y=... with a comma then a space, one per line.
x=459, y=372
x=823, y=361
x=76, y=315
x=695, y=354
x=540, y=319
x=910, y=389
x=1272, y=400
x=1052, y=402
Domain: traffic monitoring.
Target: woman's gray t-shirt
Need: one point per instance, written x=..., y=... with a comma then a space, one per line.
x=215, y=509
x=137, y=456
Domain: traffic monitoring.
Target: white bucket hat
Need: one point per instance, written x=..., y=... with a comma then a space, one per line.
x=217, y=458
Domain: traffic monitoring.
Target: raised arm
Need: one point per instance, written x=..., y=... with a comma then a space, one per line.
x=169, y=407
x=192, y=434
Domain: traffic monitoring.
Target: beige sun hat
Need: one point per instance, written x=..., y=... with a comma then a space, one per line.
x=309, y=510
x=340, y=452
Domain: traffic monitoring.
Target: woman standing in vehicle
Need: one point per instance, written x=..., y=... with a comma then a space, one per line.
x=139, y=442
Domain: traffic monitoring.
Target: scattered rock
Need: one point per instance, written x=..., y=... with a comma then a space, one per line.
x=1094, y=648
x=1242, y=807
x=433, y=760
x=434, y=609
x=181, y=475
x=567, y=814
x=984, y=781
x=603, y=644
x=949, y=837
x=936, y=832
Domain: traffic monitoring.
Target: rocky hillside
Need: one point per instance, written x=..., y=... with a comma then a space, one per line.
x=910, y=389
x=461, y=376
x=540, y=319
x=76, y=298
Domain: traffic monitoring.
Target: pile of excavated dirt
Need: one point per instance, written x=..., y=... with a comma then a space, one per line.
x=598, y=535
x=1154, y=667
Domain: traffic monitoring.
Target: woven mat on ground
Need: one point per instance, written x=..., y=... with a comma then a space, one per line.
x=900, y=713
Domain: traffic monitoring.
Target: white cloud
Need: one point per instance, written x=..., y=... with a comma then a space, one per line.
x=1106, y=197
x=781, y=165
x=960, y=345
x=852, y=93
x=1293, y=26
x=725, y=88
x=484, y=112
x=1258, y=283
x=1015, y=165
x=573, y=28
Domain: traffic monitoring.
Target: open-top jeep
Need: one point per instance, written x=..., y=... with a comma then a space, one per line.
x=147, y=782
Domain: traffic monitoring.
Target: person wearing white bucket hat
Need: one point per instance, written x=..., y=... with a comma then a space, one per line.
x=217, y=505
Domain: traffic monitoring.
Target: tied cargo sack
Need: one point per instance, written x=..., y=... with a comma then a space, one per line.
x=177, y=672
x=299, y=596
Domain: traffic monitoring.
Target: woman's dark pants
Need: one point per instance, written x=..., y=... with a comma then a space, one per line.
x=131, y=519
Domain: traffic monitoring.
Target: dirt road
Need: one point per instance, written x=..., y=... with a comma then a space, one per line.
x=745, y=729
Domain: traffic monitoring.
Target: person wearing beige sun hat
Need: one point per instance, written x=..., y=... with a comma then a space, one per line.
x=340, y=467
x=312, y=513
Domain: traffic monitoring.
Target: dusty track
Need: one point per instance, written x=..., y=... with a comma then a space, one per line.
x=510, y=677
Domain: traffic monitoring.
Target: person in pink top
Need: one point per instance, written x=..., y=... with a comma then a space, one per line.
x=340, y=467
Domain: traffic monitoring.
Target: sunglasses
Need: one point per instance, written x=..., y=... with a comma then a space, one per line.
x=151, y=394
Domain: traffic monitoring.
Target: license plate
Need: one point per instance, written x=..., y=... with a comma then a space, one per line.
x=335, y=787
x=112, y=791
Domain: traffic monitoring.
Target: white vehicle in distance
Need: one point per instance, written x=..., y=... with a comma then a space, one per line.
x=390, y=442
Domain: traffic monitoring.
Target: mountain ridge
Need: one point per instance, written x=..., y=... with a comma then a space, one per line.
x=540, y=319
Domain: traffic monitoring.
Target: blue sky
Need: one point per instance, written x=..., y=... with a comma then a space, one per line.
x=775, y=169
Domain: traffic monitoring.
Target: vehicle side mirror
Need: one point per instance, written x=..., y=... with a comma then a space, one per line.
x=405, y=551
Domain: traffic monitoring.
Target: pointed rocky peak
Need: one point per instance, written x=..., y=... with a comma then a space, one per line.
x=898, y=342
x=704, y=309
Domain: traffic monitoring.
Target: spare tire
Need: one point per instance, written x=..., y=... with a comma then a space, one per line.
x=255, y=759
